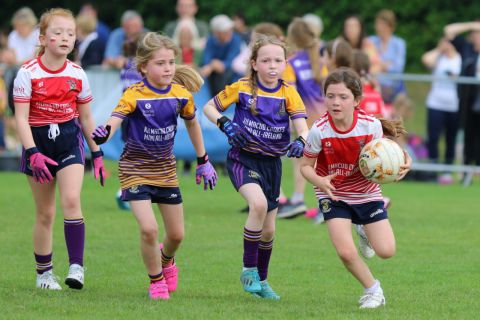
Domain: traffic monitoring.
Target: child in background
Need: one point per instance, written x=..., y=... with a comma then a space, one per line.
x=52, y=109
x=304, y=73
x=147, y=166
x=344, y=196
x=260, y=135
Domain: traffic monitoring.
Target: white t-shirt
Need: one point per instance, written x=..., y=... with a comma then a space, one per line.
x=443, y=95
x=24, y=47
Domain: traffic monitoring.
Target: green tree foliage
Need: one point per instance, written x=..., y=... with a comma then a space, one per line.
x=420, y=23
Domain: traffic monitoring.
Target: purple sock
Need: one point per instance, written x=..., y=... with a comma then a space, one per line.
x=75, y=239
x=251, y=239
x=44, y=263
x=264, y=253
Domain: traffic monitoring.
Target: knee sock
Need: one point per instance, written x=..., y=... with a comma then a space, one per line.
x=251, y=240
x=264, y=253
x=43, y=263
x=75, y=238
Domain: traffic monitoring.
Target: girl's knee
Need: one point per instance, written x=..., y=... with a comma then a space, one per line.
x=268, y=234
x=347, y=255
x=149, y=234
x=258, y=207
x=176, y=236
x=386, y=251
x=46, y=216
x=70, y=203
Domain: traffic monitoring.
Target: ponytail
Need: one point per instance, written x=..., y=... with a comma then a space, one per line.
x=393, y=128
x=188, y=77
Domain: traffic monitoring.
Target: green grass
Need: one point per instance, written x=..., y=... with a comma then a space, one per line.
x=435, y=274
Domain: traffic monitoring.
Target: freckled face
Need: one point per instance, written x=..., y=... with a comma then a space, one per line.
x=59, y=37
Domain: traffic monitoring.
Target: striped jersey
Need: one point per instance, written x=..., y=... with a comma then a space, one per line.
x=338, y=152
x=148, y=157
x=53, y=94
x=299, y=73
x=269, y=129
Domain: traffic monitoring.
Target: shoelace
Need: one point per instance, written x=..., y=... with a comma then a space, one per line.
x=53, y=131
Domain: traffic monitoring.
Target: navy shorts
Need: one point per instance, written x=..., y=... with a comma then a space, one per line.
x=64, y=145
x=364, y=213
x=167, y=195
x=245, y=167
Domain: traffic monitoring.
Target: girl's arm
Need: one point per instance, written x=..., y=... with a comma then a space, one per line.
x=301, y=127
x=87, y=124
x=195, y=134
x=211, y=111
x=429, y=58
x=22, y=111
x=307, y=168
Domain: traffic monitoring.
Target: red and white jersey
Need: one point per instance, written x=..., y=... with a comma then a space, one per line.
x=53, y=95
x=338, y=151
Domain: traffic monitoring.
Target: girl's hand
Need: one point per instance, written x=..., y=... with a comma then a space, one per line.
x=327, y=186
x=406, y=167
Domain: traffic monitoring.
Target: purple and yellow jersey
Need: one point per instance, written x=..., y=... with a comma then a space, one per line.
x=148, y=154
x=268, y=130
x=299, y=74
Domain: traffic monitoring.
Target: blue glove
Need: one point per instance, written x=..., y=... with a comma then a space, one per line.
x=236, y=136
x=295, y=149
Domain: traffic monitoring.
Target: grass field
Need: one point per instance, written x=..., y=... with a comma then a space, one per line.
x=435, y=274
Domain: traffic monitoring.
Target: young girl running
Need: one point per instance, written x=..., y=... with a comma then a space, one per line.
x=344, y=195
x=52, y=109
x=260, y=135
x=147, y=166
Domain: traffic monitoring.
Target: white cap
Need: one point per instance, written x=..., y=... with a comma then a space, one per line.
x=221, y=23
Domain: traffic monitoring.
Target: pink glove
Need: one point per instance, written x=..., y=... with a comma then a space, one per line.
x=206, y=170
x=38, y=164
x=98, y=167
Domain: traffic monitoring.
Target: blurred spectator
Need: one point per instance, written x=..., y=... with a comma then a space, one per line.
x=337, y=53
x=392, y=51
x=469, y=94
x=24, y=37
x=241, y=27
x=223, y=45
x=186, y=11
x=3, y=109
x=372, y=102
x=103, y=31
x=89, y=46
x=442, y=102
x=354, y=33
x=132, y=26
x=185, y=36
x=241, y=63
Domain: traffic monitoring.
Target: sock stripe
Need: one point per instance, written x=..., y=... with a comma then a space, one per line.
x=73, y=221
x=250, y=235
x=166, y=260
x=156, y=277
x=265, y=245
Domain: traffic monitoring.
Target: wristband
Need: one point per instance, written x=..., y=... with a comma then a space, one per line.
x=96, y=154
x=31, y=151
x=221, y=122
x=202, y=160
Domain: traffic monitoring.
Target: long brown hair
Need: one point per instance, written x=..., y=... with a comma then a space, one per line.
x=260, y=41
x=351, y=80
x=151, y=42
x=47, y=17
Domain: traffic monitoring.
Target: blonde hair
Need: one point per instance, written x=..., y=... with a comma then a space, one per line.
x=260, y=41
x=47, y=17
x=150, y=43
x=301, y=36
x=269, y=29
x=24, y=15
x=86, y=23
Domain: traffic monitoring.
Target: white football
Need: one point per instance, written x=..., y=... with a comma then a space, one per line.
x=380, y=160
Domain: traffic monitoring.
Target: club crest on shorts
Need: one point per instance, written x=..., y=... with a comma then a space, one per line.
x=253, y=174
x=133, y=189
x=325, y=205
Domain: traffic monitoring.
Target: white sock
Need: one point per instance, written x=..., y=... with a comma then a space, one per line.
x=373, y=288
x=297, y=198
